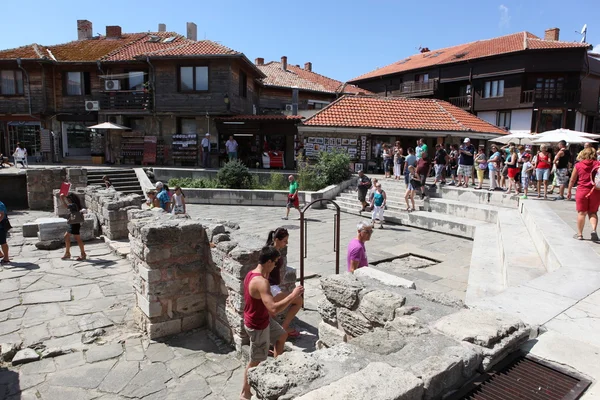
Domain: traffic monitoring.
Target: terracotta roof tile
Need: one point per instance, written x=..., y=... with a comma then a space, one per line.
x=303, y=79
x=399, y=113
x=261, y=118
x=128, y=47
x=515, y=42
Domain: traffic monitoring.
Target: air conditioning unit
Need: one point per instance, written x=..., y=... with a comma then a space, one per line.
x=112, y=84
x=92, y=105
x=289, y=107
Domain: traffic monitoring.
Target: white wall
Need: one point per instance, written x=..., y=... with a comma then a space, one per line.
x=489, y=116
x=521, y=120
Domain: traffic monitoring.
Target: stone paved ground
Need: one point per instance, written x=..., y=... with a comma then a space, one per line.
x=45, y=300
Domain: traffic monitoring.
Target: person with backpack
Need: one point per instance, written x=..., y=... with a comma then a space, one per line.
x=586, y=175
x=73, y=204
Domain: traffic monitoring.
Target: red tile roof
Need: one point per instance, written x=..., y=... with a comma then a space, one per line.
x=303, y=79
x=515, y=42
x=399, y=113
x=261, y=118
x=127, y=47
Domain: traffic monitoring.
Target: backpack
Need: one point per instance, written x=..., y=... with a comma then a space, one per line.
x=595, y=175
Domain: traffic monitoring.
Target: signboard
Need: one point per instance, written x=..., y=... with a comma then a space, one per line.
x=45, y=141
x=149, y=150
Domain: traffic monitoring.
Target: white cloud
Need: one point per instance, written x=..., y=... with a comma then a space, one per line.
x=504, y=22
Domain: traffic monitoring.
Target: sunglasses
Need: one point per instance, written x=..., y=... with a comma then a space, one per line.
x=367, y=231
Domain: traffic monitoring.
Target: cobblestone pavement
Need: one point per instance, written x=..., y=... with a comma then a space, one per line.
x=48, y=303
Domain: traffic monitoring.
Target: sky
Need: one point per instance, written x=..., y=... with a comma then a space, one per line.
x=342, y=39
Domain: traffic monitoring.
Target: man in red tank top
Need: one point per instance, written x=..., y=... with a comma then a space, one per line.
x=258, y=309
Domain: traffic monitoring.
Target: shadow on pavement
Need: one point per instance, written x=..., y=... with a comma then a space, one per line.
x=9, y=384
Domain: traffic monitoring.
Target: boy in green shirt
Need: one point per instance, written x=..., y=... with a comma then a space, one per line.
x=292, y=197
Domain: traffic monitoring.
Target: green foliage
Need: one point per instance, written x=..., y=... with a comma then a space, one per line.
x=276, y=182
x=201, y=183
x=330, y=169
x=235, y=175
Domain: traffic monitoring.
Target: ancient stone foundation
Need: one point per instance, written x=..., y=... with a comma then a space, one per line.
x=189, y=273
x=110, y=207
x=42, y=182
x=384, y=342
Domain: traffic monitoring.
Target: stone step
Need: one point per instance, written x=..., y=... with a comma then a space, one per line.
x=443, y=223
x=352, y=203
x=391, y=202
x=520, y=259
x=481, y=212
x=486, y=271
x=93, y=180
x=478, y=196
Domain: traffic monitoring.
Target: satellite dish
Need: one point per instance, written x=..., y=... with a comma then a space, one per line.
x=584, y=29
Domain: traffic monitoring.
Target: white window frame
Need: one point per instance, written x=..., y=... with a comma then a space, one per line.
x=493, y=89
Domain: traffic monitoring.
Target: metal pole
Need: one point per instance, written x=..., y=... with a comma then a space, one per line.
x=337, y=241
x=301, y=247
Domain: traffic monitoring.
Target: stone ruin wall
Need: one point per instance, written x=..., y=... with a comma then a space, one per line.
x=42, y=182
x=110, y=207
x=189, y=274
x=398, y=342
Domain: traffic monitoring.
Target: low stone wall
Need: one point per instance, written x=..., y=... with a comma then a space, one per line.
x=42, y=182
x=405, y=342
x=190, y=273
x=110, y=207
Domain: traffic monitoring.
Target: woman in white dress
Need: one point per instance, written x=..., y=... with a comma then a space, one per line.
x=20, y=156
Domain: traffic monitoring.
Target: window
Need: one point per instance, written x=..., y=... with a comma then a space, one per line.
x=27, y=133
x=187, y=125
x=493, y=89
x=503, y=119
x=423, y=78
x=316, y=104
x=77, y=83
x=193, y=79
x=243, y=84
x=135, y=80
x=550, y=120
x=11, y=82
x=549, y=88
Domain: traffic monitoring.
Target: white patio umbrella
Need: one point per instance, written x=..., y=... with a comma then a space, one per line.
x=567, y=134
x=108, y=125
x=555, y=137
x=519, y=137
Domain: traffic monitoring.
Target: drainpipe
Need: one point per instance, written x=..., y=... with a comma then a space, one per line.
x=28, y=85
x=152, y=73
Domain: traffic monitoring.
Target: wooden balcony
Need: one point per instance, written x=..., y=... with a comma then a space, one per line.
x=463, y=102
x=410, y=89
x=552, y=96
x=132, y=100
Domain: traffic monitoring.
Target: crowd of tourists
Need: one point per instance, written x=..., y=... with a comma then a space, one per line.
x=511, y=168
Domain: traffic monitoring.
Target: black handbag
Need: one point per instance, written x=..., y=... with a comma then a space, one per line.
x=6, y=224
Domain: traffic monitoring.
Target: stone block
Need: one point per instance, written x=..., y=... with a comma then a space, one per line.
x=440, y=374
x=483, y=328
x=353, y=323
x=232, y=282
x=193, y=321
x=385, y=278
x=327, y=311
x=30, y=229
x=150, y=309
x=377, y=381
x=380, y=341
x=342, y=289
x=407, y=325
x=161, y=329
x=191, y=303
x=330, y=335
x=235, y=268
x=273, y=378
x=379, y=306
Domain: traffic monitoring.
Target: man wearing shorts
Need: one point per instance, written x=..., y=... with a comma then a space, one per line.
x=258, y=309
x=292, y=197
x=364, y=184
x=465, y=162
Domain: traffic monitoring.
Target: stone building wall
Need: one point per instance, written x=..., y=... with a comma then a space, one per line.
x=41, y=184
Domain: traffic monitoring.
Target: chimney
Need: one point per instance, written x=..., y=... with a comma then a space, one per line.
x=192, y=31
x=551, y=34
x=308, y=66
x=284, y=63
x=162, y=27
x=259, y=61
x=84, y=29
x=425, y=50
x=113, y=31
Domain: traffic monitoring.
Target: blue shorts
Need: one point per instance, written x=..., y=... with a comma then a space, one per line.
x=542, y=174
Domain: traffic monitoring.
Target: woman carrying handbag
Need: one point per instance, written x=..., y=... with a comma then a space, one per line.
x=73, y=204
